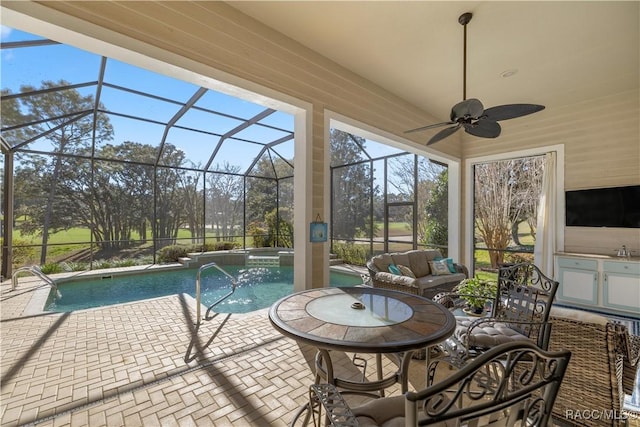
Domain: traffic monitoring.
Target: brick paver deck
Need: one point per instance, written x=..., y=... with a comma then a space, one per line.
x=144, y=364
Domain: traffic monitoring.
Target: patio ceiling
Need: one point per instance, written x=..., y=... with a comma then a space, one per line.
x=563, y=52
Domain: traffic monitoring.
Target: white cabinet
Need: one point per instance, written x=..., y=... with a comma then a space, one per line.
x=599, y=282
x=578, y=280
x=621, y=285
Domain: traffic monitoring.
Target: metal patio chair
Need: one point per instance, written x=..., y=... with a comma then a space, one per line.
x=520, y=311
x=512, y=384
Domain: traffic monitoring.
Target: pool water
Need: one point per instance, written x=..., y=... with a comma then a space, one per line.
x=257, y=288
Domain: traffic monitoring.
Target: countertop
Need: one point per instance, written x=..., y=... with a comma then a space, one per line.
x=634, y=258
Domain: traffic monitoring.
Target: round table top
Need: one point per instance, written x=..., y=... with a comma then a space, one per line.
x=362, y=319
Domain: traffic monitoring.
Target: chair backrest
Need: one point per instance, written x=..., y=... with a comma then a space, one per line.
x=525, y=295
x=512, y=384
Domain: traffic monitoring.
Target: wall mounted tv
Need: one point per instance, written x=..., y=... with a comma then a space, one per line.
x=604, y=207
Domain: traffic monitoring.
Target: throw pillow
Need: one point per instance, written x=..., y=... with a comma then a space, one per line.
x=394, y=270
x=449, y=261
x=406, y=271
x=439, y=268
x=452, y=268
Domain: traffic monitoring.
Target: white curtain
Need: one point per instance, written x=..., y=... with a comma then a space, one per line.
x=545, y=245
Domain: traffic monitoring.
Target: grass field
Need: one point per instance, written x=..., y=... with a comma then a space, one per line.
x=77, y=239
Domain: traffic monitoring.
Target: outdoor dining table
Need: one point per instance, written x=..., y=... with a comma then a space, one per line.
x=362, y=320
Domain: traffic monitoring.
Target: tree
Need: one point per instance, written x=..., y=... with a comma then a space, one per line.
x=351, y=186
x=436, y=209
x=225, y=200
x=504, y=193
x=62, y=117
x=528, y=181
x=269, y=192
x=168, y=196
x=111, y=198
x=12, y=118
x=431, y=196
x=192, y=202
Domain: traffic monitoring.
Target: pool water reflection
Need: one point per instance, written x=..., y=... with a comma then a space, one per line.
x=258, y=287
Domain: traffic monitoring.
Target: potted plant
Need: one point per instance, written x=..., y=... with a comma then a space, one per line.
x=476, y=292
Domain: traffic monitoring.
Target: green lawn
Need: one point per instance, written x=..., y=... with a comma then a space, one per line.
x=82, y=235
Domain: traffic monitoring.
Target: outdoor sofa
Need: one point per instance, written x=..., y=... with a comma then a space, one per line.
x=419, y=272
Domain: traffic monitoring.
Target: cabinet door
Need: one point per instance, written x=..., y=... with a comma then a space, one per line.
x=578, y=286
x=622, y=291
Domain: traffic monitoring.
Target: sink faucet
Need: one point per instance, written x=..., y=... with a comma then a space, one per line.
x=623, y=252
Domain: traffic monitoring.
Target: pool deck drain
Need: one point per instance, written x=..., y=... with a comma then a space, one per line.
x=124, y=365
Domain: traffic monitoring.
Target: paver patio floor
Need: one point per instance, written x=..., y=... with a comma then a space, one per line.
x=145, y=364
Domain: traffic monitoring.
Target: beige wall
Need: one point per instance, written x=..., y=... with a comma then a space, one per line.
x=601, y=137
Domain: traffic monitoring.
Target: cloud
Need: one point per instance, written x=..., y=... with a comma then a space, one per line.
x=4, y=32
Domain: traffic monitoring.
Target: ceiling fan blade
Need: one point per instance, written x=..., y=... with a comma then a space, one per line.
x=511, y=111
x=443, y=134
x=437, y=125
x=467, y=108
x=484, y=128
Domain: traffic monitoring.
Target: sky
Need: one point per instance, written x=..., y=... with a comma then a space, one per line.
x=32, y=65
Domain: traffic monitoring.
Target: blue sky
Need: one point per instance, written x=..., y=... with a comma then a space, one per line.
x=32, y=65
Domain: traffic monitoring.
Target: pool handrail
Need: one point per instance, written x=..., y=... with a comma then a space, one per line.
x=36, y=271
x=233, y=288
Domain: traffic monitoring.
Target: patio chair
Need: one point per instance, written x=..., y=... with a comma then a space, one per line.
x=604, y=367
x=520, y=311
x=513, y=384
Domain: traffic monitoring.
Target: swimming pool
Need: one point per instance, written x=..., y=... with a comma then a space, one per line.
x=258, y=287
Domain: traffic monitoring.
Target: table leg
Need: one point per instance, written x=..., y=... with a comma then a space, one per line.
x=379, y=370
x=324, y=365
x=404, y=371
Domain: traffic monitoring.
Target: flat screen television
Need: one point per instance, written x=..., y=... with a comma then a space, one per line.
x=604, y=207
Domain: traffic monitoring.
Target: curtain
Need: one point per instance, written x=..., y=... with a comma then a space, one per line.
x=545, y=245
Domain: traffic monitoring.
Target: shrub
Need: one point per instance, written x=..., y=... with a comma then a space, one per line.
x=172, y=253
x=22, y=254
x=52, y=268
x=75, y=266
x=258, y=232
x=518, y=257
x=102, y=263
x=476, y=291
x=351, y=253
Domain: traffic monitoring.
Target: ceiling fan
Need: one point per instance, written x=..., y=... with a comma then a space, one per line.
x=470, y=113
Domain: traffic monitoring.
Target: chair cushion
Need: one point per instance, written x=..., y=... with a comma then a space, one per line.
x=578, y=315
x=400, y=258
x=387, y=412
x=418, y=263
x=434, y=281
x=396, y=279
x=486, y=335
x=382, y=262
